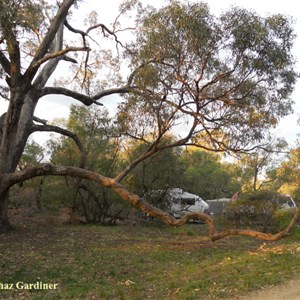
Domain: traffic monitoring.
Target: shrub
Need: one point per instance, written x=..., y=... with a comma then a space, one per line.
x=261, y=210
x=282, y=218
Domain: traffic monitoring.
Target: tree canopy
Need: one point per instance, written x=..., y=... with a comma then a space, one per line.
x=229, y=77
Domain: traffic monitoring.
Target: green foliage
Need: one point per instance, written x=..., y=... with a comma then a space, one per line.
x=96, y=131
x=288, y=172
x=196, y=171
x=263, y=209
x=205, y=175
x=259, y=167
x=232, y=75
x=282, y=219
x=261, y=195
x=27, y=194
x=159, y=171
x=32, y=155
x=26, y=15
x=248, y=214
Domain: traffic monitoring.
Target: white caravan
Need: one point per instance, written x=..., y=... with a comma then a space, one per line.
x=183, y=202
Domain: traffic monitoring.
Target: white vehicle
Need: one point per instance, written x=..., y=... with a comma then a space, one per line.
x=286, y=202
x=177, y=202
x=184, y=202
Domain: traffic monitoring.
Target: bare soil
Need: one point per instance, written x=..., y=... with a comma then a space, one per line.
x=286, y=291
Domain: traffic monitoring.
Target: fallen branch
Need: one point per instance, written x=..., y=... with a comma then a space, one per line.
x=9, y=180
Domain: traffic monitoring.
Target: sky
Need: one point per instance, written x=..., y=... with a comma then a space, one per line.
x=58, y=106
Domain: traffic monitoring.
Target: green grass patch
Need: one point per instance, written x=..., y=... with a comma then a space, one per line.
x=140, y=262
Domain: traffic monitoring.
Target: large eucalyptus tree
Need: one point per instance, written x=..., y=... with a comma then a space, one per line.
x=227, y=78
x=32, y=46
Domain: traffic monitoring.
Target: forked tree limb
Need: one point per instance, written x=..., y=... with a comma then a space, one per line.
x=48, y=39
x=57, y=45
x=9, y=180
x=52, y=128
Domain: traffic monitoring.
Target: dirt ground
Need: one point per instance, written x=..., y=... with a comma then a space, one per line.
x=287, y=291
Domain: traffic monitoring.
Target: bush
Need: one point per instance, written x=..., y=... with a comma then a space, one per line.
x=260, y=210
x=245, y=213
x=282, y=219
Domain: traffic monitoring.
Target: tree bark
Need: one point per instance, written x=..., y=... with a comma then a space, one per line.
x=16, y=130
x=4, y=222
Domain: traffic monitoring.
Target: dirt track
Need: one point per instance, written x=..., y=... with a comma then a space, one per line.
x=286, y=291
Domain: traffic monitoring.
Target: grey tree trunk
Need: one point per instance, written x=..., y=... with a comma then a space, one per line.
x=16, y=128
x=4, y=221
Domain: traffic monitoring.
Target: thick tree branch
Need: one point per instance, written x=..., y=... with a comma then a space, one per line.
x=38, y=120
x=48, y=169
x=120, y=90
x=65, y=132
x=57, y=55
x=86, y=100
x=48, y=39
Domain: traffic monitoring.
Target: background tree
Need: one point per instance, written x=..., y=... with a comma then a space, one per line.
x=96, y=131
x=259, y=167
x=205, y=175
x=229, y=77
x=33, y=154
x=156, y=172
x=217, y=73
x=288, y=173
x=26, y=196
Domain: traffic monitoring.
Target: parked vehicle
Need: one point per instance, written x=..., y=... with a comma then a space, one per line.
x=183, y=202
x=218, y=206
x=286, y=202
